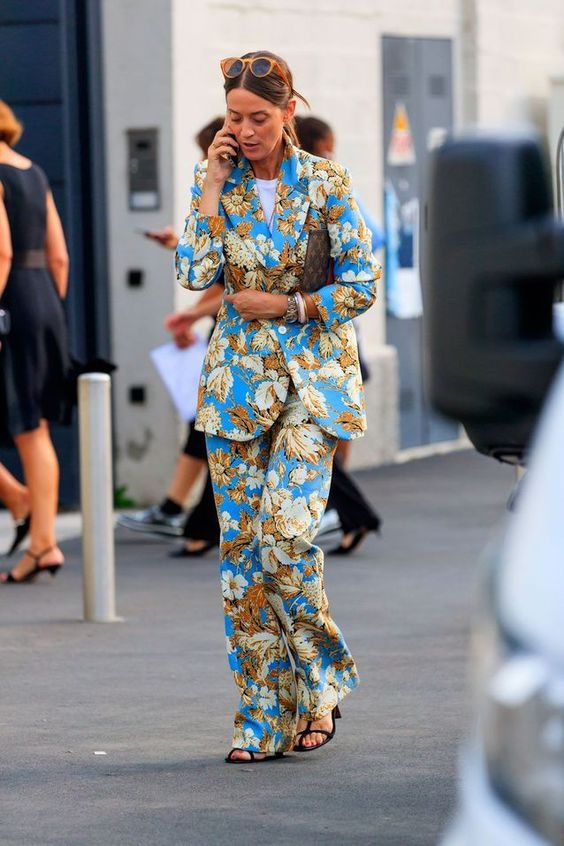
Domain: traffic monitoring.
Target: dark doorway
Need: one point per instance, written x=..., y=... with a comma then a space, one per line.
x=50, y=74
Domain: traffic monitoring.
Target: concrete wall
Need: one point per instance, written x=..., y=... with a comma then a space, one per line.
x=515, y=48
x=137, y=80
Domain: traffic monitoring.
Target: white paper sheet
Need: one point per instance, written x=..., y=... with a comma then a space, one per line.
x=180, y=371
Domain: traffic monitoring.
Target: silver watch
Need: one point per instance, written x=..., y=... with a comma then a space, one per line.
x=292, y=313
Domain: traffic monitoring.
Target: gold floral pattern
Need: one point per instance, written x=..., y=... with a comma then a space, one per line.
x=250, y=364
x=270, y=494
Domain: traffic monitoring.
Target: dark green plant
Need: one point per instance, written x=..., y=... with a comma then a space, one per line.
x=121, y=498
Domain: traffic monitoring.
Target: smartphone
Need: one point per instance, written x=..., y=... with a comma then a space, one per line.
x=225, y=156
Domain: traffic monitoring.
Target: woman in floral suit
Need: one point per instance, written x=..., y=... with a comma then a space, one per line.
x=280, y=385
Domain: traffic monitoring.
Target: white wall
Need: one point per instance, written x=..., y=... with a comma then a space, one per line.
x=518, y=46
x=137, y=82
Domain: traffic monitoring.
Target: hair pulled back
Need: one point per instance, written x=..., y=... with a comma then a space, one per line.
x=271, y=87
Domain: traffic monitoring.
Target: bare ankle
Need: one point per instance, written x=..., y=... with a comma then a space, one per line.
x=18, y=503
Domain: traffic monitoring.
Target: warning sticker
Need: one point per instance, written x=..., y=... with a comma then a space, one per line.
x=401, y=150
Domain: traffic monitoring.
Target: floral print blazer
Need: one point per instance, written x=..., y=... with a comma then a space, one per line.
x=249, y=364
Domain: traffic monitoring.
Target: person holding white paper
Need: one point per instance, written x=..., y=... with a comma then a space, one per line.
x=201, y=529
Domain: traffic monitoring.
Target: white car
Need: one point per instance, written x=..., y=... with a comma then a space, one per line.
x=512, y=770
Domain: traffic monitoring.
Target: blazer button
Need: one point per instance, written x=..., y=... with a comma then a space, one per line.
x=282, y=330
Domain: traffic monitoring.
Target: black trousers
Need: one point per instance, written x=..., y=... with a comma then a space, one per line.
x=202, y=522
x=354, y=510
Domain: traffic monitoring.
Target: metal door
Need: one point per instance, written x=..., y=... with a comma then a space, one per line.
x=50, y=75
x=417, y=110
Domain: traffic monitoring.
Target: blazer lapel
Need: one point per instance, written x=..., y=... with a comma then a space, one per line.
x=241, y=202
x=292, y=201
x=242, y=206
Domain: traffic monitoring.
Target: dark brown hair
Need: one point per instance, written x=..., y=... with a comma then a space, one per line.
x=272, y=87
x=310, y=131
x=207, y=133
x=10, y=127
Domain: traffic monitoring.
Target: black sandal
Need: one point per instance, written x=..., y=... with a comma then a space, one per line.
x=252, y=759
x=358, y=536
x=329, y=735
x=32, y=575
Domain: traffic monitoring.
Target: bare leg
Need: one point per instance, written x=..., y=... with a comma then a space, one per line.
x=343, y=452
x=41, y=470
x=186, y=472
x=14, y=494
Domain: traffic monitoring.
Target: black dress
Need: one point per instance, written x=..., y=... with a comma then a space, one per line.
x=34, y=356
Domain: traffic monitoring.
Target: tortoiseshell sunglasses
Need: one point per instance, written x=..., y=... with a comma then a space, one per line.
x=260, y=66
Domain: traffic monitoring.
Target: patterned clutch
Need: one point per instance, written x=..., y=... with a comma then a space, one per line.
x=317, y=265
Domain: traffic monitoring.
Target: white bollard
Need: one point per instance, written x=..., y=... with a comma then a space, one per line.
x=96, y=494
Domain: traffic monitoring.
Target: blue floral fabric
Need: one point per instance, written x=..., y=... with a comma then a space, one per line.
x=250, y=364
x=270, y=495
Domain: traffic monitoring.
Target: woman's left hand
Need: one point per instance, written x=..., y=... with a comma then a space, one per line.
x=253, y=305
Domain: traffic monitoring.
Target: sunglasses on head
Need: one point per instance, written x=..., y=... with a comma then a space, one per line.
x=259, y=65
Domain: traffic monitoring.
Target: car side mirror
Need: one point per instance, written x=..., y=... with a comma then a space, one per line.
x=494, y=256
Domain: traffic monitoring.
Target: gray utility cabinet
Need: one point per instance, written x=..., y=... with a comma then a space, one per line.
x=50, y=75
x=417, y=112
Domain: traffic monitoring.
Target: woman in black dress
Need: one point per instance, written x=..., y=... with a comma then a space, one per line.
x=34, y=358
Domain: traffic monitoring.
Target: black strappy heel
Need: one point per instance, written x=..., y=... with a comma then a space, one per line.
x=10, y=579
x=252, y=760
x=358, y=536
x=329, y=735
x=21, y=529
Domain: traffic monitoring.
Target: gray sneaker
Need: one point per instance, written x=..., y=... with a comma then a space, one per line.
x=153, y=521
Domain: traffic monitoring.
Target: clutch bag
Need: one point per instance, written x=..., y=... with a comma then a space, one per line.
x=317, y=265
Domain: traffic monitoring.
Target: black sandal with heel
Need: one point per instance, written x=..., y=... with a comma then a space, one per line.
x=357, y=537
x=9, y=579
x=329, y=735
x=252, y=760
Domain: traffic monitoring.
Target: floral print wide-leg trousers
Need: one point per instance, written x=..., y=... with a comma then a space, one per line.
x=286, y=652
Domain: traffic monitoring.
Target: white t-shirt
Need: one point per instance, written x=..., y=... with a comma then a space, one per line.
x=267, y=194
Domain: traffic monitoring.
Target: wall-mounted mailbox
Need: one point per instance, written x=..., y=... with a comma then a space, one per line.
x=135, y=278
x=137, y=394
x=142, y=146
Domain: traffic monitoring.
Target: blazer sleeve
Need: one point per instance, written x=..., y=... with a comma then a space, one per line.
x=355, y=269
x=199, y=255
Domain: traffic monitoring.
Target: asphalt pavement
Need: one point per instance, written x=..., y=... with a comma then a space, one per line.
x=152, y=695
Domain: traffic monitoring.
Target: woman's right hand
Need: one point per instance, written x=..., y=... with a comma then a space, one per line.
x=220, y=167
